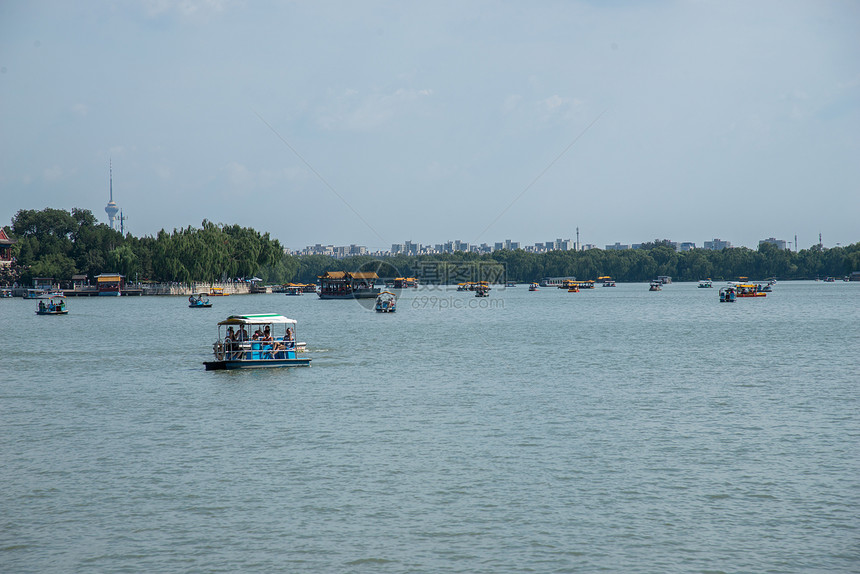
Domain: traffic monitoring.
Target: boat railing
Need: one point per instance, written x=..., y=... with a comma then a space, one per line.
x=254, y=350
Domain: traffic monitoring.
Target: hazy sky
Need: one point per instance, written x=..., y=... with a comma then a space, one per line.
x=432, y=121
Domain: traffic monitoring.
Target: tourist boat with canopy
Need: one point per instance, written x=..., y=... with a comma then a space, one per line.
x=348, y=285
x=727, y=294
x=482, y=289
x=386, y=302
x=199, y=301
x=706, y=284
x=656, y=285
x=56, y=305
x=534, y=287
x=272, y=344
x=749, y=290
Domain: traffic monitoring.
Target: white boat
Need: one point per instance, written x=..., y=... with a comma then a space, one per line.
x=275, y=346
x=706, y=284
x=656, y=285
x=37, y=294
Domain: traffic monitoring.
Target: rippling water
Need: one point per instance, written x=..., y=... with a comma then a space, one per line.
x=614, y=429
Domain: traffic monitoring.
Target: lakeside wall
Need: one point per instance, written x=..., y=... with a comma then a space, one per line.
x=174, y=288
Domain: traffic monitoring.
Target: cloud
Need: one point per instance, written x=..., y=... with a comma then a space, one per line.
x=352, y=112
x=184, y=8
x=53, y=173
x=557, y=106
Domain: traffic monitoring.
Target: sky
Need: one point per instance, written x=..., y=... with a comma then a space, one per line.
x=377, y=122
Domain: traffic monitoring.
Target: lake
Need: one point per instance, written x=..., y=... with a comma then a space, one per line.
x=614, y=429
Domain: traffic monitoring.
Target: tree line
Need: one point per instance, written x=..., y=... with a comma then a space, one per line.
x=59, y=244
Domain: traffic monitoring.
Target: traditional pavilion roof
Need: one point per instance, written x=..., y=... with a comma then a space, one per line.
x=4, y=239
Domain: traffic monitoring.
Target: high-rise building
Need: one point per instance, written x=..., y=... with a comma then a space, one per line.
x=778, y=243
x=718, y=244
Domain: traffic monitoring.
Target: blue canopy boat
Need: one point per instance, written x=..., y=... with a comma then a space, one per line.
x=273, y=343
x=197, y=301
x=56, y=305
x=386, y=302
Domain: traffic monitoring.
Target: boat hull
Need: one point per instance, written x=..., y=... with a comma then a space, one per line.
x=63, y=312
x=357, y=294
x=256, y=364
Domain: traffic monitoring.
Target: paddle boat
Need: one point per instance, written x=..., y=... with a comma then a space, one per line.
x=294, y=289
x=656, y=285
x=272, y=344
x=706, y=284
x=727, y=295
x=749, y=290
x=533, y=287
x=198, y=301
x=386, y=302
x=56, y=305
x=482, y=290
x=5, y=293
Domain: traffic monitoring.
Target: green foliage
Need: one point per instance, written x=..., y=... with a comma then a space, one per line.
x=56, y=243
x=630, y=265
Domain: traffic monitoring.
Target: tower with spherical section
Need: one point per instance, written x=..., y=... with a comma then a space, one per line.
x=112, y=208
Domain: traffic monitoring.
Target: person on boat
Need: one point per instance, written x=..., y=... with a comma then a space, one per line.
x=243, y=335
x=41, y=305
x=229, y=342
x=268, y=341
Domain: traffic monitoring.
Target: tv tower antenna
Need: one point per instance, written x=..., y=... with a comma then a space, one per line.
x=111, y=209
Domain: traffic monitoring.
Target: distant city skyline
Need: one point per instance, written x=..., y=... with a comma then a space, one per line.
x=415, y=248
x=367, y=123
